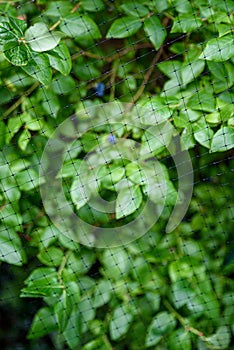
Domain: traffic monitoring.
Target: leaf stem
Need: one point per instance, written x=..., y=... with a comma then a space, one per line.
x=183, y=321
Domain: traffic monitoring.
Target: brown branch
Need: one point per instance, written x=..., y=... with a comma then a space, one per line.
x=147, y=76
x=20, y=100
x=113, y=57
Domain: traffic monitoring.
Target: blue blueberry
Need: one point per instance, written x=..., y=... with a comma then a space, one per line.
x=111, y=139
x=100, y=89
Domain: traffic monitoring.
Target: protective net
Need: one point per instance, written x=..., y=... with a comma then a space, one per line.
x=116, y=167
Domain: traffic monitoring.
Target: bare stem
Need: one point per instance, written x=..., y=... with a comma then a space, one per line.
x=20, y=100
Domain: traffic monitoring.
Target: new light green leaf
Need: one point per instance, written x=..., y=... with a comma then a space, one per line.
x=219, y=49
x=186, y=23
x=120, y=322
x=128, y=201
x=44, y=322
x=162, y=324
x=40, y=38
x=124, y=27
x=80, y=191
x=11, y=250
x=223, y=139
x=155, y=31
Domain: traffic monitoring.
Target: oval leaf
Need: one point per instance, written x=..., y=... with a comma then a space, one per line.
x=219, y=49
x=77, y=26
x=60, y=59
x=155, y=31
x=124, y=27
x=223, y=140
x=41, y=39
x=128, y=201
x=16, y=53
x=39, y=68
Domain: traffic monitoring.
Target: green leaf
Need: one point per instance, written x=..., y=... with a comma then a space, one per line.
x=42, y=282
x=24, y=139
x=156, y=138
x=183, y=6
x=58, y=8
x=63, y=310
x=180, y=339
x=111, y=174
x=191, y=70
x=13, y=126
x=221, y=339
x=186, y=23
x=27, y=179
x=51, y=256
x=134, y=9
x=44, y=322
x=9, y=187
x=124, y=27
x=180, y=269
x=155, y=111
x=39, y=68
x=116, y=263
x=16, y=53
x=135, y=174
x=128, y=201
x=70, y=168
x=80, y=191
x=11, y=250
x=186, y=117
x=155, y=31
x=92, y=6
x=223, y=139
x=203, y=133
x=9, y=216
x=219, y=49
x=50, y=102
x=6, y=33
x=158, y=5
x=187, y=140
x=72, y=333
x=86, y=311
x=60, y=59
x=202, y=101
x=78, y=26
x=171, y=69
x=18, y=25
x=161, y=324
x=63, y=85
x=120, y=321
x=40, y=38
x=102, y=293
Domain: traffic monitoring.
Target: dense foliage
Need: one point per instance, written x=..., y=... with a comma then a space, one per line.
x=164, y=290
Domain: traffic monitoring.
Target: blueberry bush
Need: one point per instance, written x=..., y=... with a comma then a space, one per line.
x=163, y=291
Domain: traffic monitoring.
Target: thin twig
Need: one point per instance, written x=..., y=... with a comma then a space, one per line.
x=113, y=57
x=183, y=321
x=55, y=25
x=20, y=100
x=147, y=76
x=112, y=80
